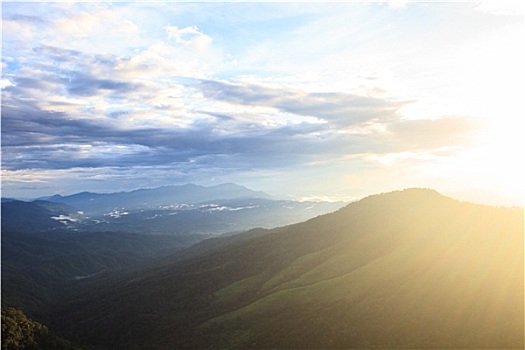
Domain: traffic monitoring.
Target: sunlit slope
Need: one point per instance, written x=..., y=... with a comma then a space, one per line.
x=420, y=270
x=408, y=269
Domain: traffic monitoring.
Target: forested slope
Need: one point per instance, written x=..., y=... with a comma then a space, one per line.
x=407, y=269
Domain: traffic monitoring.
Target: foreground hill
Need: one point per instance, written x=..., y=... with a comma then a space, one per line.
x=407, y=269
x=20, y=332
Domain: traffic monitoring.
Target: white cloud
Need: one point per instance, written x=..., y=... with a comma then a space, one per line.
x=502, y=7
x=97, y=21
x=18, y=29
x=189, y=36
x=201, y=42
x=397, y=4
x=177, y=33
x=84, y=24
x=5, y=83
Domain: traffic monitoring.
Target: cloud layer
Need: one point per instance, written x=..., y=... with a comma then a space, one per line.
x=134, y=91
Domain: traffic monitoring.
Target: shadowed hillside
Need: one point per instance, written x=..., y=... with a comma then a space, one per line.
x=407, y=269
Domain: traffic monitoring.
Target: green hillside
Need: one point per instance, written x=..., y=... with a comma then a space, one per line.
x=407, y=269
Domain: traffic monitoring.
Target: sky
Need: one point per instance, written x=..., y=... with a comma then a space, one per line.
x=323, y=101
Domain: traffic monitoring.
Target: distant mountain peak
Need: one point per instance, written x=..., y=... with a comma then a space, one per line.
x=415, y=190
x=52, y=198
x=230, y=185
x=412, y=192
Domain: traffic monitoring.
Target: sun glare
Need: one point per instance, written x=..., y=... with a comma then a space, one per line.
x=503, y=154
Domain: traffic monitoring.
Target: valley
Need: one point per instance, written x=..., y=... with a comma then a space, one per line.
x=406, y=269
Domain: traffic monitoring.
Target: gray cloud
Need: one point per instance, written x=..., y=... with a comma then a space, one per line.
x=80, y=84
x=341, y=109
x=69, y=72
x=70, y=137
x=24, y=83
x=33, y=138
x=26, y=18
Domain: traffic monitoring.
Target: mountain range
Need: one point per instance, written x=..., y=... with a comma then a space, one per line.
x=186, y=209
x=99, y=203
x=406, y=269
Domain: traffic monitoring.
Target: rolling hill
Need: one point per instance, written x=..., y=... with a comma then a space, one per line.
x=407, y=269
x=21, y=332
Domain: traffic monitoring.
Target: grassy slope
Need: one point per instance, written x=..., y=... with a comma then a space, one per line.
x=442, y=282
x=409, y=269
